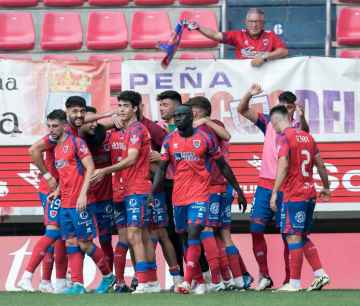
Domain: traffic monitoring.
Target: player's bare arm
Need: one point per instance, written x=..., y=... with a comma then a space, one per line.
x=227, y=172
x=127, y=162
x=269, y=56
x=243, y=107
x=219, y=130
x=159, y=175
x=325, y=192
x=89, y=166
x=281, y=173
x=36, y=153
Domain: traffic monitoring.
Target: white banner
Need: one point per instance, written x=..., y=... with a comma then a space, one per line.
x=329, y=88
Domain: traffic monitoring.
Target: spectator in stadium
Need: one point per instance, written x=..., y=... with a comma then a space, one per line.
x=253, y=42
x=261, y=214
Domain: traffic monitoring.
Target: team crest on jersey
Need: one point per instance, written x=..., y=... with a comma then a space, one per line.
x=266, y=42
x=65, y=148
x=300, y=217
x=197, y=143
x=134, y=139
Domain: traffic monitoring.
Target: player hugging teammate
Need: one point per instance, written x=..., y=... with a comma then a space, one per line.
x=122, y=173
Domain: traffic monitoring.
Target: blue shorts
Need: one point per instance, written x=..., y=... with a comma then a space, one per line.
x=77, y=224
x=261, y=213
x=104, y=216
x=51, y=210
x=225, y=215
x=216, y=202
x=194, y=213
x=159, y=214
x=297, y=217
x=132, y=212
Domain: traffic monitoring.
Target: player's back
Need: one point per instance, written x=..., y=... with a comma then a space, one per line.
x=299, y=183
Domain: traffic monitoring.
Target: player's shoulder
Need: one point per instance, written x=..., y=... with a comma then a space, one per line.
x=171, y=135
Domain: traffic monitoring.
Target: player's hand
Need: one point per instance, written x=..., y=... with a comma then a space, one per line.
x=52, y=183
x=155, y=157
x=53, y=195
x=273, y=202
x=119, y=124
x=81, y=202
x=325, y=194
x=97, y=176
x=257, y=61
x=241, y=201
x=300, y=109
x=193, y=25
x=255, y=89
x=200, y=121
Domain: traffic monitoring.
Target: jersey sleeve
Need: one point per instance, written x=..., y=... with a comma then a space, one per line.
x=165, y=155
x=137, y=137
x=213, y=146
x=278, y=42
x=283, y=146
x=262, y=122
x=82, y=148
x=230, y=37
x=49, y=142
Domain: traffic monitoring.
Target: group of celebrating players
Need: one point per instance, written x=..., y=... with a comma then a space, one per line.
x=170, y=182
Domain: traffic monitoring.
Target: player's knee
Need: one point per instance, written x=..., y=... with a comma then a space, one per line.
x=162, y=234
x=194, y=231
x=86, y=246
x=134, y=235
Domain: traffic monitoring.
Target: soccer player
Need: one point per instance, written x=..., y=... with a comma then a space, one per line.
x=219, y=199
x=100, y=194
x=44, y=248
x=298, y=154
x=261, y=214
x=187, y=149
x=252, y=42
x=134, y=167
x=75, y=167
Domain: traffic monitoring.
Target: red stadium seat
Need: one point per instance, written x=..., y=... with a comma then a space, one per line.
x=16, y=31
x=18, y=3
x=106, y=31
x=196, y=55
x=154, y=2
x=115, y=68
x=148, y=28
x=61, y=31
x=350, y=53
x=348, y=26
x=149, y=56
x=194, y=39
x=60, y=57
x=108, y=2
x=63, y=2
x=198, y=2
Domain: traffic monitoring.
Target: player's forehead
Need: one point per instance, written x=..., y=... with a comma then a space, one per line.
x=76, y=109
x=53, y=121
x=124, y=102
x=253, y=16
x=167, y=101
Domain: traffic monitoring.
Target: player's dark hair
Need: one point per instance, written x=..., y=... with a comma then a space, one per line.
x=287, y=97
x=200, y=102
x=91, y=109
x=279, y=109
x=75, y=101
x=133, y=97
x=170, y=94
x=57, y=114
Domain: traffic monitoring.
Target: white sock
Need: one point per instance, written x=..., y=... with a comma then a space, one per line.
x=295, y=283
x=319, y=273
x=28, y=275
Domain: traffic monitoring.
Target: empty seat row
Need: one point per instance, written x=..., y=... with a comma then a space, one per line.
x=106, y=30
x=28, y=3
x=348, y=26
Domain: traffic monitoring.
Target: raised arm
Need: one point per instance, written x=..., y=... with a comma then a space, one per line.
x=207, y=32
x=243, y=107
